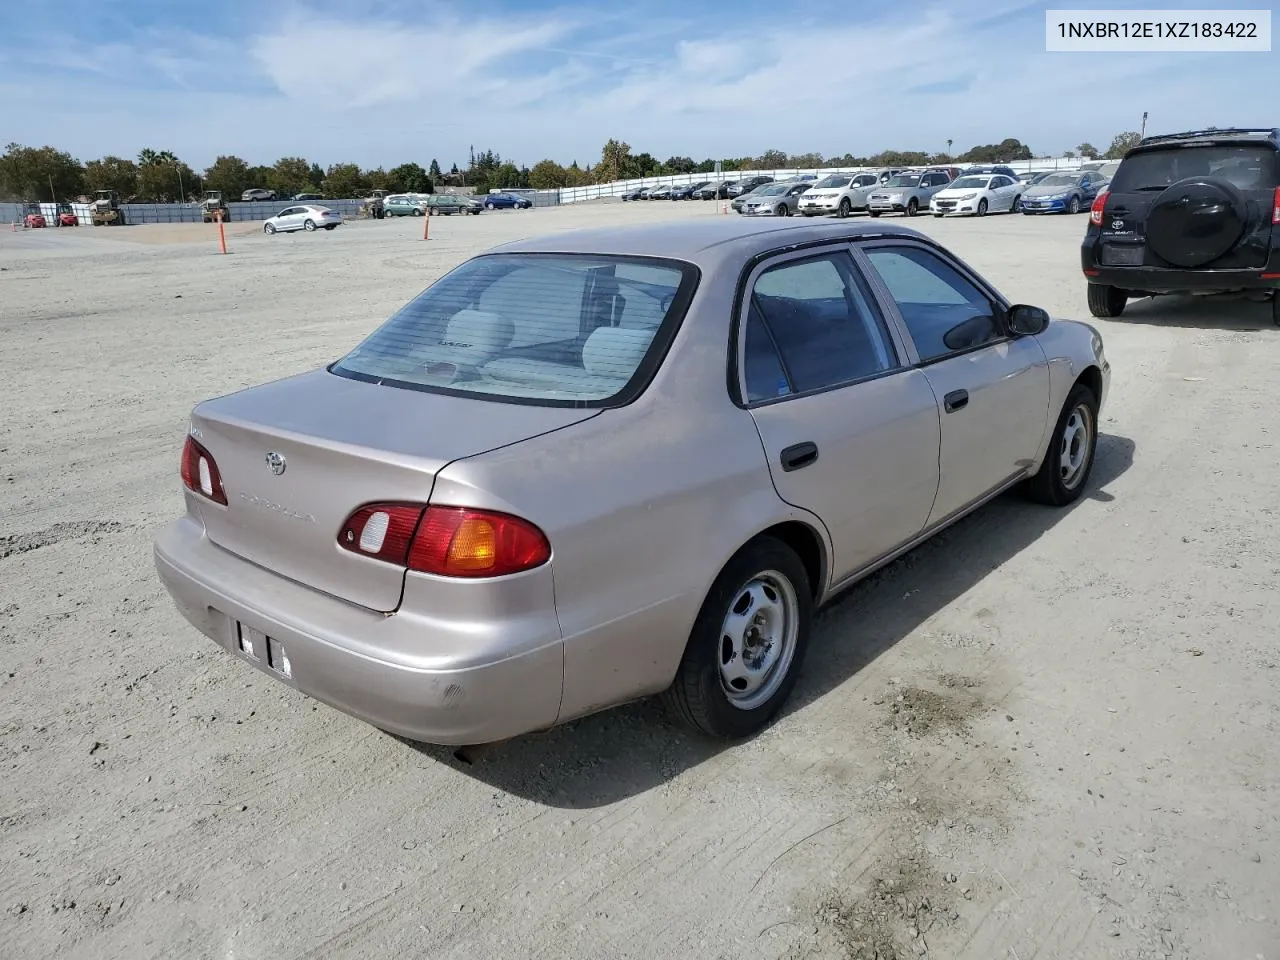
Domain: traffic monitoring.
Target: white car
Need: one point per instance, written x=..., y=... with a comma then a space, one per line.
x=840, y=193
x=302, y=217
x=977, y=195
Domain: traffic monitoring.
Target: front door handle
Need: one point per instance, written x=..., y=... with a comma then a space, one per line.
x=955, y=400
x=798, y=455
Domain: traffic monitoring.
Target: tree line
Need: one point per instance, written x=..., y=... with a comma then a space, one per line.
x=159, y=176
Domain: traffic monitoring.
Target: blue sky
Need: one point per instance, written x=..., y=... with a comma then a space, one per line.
x=387, y=81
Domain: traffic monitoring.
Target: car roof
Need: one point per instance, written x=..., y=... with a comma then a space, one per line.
x=705, y=243
x=1264, y=135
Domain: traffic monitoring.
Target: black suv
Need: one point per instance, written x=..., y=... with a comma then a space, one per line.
x=1195, y=212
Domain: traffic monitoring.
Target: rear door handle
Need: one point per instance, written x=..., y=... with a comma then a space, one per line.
x=798, y=455
x=955, y=400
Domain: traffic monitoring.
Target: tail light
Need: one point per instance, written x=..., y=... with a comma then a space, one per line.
x=200, y=472
x=1275, y=208
x=1100, y=202
x=445, y=541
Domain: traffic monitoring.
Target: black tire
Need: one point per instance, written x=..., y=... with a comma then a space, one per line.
x=331, y=226
x=489, y=206
x=417, y=212
x=912, y=207
x=875, y=213
x=845, y=208
x=1074, y=205
x=938, y=215
x=1016, y=206
x=783, y=210
x=1106, y=301
x=1275, y=308
x=982, y=207
x=308, y=225
x=697, y=696
x=268, y=229
x=1049, y=485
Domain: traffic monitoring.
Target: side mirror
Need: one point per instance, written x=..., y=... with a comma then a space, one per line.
x=1027, y=321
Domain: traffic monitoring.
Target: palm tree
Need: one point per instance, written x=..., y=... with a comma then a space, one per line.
x=147, y=156
x=167, y=156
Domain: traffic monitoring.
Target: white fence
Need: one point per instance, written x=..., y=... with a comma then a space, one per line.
x=617, y=188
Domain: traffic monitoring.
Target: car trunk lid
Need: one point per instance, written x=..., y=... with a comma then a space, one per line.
x=1197, y=206
x=299, y=455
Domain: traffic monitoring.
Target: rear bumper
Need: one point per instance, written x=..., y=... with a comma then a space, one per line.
x=385, y=670
x=1163, y=280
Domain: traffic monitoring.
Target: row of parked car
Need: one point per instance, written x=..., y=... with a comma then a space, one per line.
x=939, y=190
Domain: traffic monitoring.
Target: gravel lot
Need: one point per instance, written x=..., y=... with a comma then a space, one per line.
x=1046, y=734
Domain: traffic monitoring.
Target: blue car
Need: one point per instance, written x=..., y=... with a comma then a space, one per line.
x=1063, y=192
x=506, y=201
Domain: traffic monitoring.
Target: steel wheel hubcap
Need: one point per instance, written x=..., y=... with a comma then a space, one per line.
x=758, y=639
x=1073, y=449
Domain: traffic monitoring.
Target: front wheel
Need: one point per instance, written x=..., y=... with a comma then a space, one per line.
x=1062, y=476
x=1106, y=301
x=747, y=644
x=982, y=207
x=1016, y=206
x=309, y=225
x=912, y=207
x=490, y=206
x=875, y=213
x=1074, y=205
x=269, y=229
x=844, y=209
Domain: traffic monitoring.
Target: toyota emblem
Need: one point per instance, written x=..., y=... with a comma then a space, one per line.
x=275, y=463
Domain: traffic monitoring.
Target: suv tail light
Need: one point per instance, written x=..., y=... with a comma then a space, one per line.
x=445, y=541
x=1099, y=203
x=1275, y=208
x=200, y=472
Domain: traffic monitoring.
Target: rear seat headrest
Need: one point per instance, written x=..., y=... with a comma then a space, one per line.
x=615, y=351
x=479, y=331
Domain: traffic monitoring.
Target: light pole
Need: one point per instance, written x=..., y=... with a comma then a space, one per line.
x=948, y=148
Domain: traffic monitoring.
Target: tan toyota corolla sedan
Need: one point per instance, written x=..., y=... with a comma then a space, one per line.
x=595, y=466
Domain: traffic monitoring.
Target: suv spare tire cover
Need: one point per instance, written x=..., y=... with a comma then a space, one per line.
x=1196, y=220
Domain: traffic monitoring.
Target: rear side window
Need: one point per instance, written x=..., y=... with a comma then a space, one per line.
x=1248, y=167
x=560, y=330
x=812, y=324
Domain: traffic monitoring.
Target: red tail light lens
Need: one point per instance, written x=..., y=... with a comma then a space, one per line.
x=200, y=472
x=445, y=541
x=461, y=542
x=381, y=530
x=1275, y=208
x=1095, y=211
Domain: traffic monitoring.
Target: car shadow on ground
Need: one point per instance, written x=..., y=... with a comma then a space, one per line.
x=617, y=754
x=1216, y=312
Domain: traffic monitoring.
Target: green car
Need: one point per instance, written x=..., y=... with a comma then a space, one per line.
x=447, y=203
x=400, y=205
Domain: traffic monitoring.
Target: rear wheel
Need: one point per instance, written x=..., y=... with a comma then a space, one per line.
x=1068, y=462
x=747, y=644
x=330, y=226
x=1106, y=301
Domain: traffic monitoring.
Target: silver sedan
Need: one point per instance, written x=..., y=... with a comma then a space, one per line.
x=591, y=467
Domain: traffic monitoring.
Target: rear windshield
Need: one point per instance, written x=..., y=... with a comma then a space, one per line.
x=553, y=329
x=1248, y=167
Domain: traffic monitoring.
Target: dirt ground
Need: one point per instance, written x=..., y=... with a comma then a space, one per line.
x=1045, y=734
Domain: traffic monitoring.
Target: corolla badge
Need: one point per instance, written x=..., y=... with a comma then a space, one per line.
x=275, y=463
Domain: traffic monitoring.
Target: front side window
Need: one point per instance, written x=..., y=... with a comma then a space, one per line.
x=562, y=330
x=812, y=324
x=944, y=312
